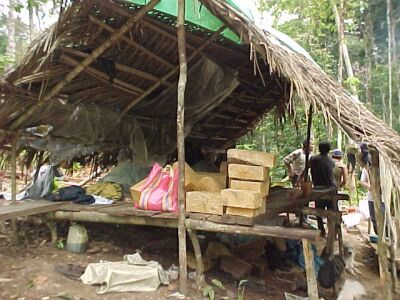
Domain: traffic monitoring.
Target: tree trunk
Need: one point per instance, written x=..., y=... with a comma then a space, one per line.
x=31, y=24
x=368, y=37
x=389, y=12
x=181, y=145
x=339, y=20
x=11, y=32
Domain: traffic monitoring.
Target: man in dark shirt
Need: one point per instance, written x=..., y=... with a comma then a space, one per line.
x=322, y=167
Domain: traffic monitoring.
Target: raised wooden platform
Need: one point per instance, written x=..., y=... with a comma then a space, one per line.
x=27, y=208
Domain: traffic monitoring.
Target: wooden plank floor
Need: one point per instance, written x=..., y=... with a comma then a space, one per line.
x=27, y=208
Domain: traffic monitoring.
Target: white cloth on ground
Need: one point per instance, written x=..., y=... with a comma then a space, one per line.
x=133, y=274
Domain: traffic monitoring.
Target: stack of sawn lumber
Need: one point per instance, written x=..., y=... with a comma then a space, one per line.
x=249, y=182
x=248, y=173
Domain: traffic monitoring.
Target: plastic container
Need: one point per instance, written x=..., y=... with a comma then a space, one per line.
x=77, y=240
x=373, y=238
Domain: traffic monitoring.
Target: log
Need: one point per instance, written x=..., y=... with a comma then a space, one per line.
x=244, y=172
x=242, y=199
x=256, y=158
x=260, y=187
x=259, y=230
x=204, y=202
x=100, y=217
x=312, y=288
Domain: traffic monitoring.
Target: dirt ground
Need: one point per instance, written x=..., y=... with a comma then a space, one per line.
x=27, y=271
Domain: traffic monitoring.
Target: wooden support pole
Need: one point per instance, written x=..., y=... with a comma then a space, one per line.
x=312, y=288
x=14, y=187
x=172, y=72
x=331, y=236
x=199, y=260
x=86, y=62
x=382, y=248
x=180, y=124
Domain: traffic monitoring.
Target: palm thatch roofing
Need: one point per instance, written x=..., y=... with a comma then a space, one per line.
x=132, y=99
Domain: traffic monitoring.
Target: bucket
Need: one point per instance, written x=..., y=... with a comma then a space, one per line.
x=77, y=240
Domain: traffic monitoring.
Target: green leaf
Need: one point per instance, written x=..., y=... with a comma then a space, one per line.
x=211, y=294
x=218, y=283
x=18, y=7
x=206, y=290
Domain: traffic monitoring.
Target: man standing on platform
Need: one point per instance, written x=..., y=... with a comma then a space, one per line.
x=322, y=167
x=296, y=162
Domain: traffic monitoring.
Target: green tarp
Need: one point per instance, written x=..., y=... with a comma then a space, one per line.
x=197, y=14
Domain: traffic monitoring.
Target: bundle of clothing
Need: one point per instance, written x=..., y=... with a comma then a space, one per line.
x=72, y=193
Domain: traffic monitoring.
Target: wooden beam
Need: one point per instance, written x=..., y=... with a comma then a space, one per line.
x=117, y=83
x=259, y=230
x=25, y=208
x=104, y=217
x=86, y=62
x=120, y=67
x=312, y=288
x=222, y=126
x=180, y=133
x=172, y=72
x=14, y=187
x=132, y=43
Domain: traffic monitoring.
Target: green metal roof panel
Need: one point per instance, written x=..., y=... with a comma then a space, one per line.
x=197, y=14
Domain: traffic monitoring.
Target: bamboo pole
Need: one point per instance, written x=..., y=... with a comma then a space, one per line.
x=180, y=122
x=14, y=186
x=86, y=62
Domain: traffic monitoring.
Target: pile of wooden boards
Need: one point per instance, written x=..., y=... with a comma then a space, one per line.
x=249, y=181
x=206, y=197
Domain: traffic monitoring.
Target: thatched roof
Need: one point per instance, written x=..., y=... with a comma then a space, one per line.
x=143, y=57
